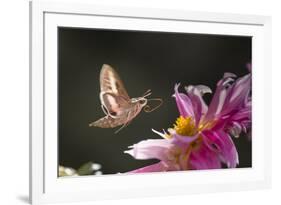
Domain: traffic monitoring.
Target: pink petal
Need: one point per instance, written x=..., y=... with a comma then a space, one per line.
x=219, y=97
x=183, y=141
x=204, y=158
x=158, y=167
x=150, y=149
x=195, y=94
x=184, y=104
x=221, y=143
x=238, y=94
x=242, y=114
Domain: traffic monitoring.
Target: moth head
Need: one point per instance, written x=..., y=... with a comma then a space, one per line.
x=143, y=101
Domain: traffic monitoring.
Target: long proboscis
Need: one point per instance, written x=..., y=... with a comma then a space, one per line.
x=148, y=108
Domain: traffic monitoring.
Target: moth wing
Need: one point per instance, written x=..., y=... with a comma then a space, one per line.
x=114, y=104
x=105, y=122
x=110, y=82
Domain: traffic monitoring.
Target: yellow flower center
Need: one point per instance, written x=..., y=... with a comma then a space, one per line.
x=185, y=126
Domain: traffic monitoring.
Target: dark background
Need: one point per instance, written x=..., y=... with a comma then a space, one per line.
x=144, y=60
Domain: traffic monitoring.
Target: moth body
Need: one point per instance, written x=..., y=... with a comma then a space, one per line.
x=116, y=104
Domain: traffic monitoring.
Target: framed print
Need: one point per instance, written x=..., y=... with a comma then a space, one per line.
x=129, y=102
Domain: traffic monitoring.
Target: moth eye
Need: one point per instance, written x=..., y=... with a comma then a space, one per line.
x=113, y=113
x=142, y=102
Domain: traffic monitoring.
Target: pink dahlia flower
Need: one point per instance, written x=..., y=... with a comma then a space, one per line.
x=201, y=136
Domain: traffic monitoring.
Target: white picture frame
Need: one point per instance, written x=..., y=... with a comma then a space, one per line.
x=46, y=187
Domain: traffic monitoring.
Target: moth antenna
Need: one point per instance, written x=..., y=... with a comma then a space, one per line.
x=148, y=108
x=147, y=93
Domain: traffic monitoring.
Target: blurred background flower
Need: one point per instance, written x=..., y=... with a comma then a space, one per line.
x=88, y=168
x=67, y=171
